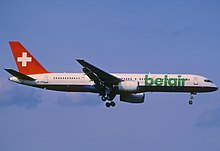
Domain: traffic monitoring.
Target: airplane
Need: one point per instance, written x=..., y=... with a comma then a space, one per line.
x=130, y=87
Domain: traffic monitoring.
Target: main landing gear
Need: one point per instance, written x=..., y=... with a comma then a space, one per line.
x=109, y=103
x=191, y=98
x=107, y=96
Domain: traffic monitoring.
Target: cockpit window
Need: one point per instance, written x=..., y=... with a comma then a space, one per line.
x=207, y=80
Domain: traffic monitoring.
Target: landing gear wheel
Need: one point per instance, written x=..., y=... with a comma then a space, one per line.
x=190, y=102
x=104, y=98
x=112, y=104
x=108, y=104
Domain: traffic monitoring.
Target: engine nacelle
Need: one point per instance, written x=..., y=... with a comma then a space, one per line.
x=128, y=86
x=132, y=98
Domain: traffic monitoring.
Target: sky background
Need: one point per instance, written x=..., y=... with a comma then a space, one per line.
x=118, y=36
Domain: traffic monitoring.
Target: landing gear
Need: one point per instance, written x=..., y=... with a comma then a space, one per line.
x=104, y=98
x=108, y=101
x=112, y=104
x=107, y=95
x=191, y=98
x=108, y=104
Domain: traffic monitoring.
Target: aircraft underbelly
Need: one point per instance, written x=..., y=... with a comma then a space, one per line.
x=198, y=89
x=69, y=88
x=91, y=88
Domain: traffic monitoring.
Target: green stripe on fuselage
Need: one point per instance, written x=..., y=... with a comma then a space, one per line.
x=166, y=81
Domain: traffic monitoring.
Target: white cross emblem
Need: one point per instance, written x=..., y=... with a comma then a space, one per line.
x=24, y=59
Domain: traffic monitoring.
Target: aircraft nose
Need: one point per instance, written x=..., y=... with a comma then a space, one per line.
x=215, y=87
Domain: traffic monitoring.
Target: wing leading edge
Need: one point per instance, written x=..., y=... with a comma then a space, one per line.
x=97, y=75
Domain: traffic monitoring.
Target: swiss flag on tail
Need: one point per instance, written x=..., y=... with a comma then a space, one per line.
x=26, y=63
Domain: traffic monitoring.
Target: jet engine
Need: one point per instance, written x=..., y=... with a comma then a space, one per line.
x=128, y=86
x=132, y=98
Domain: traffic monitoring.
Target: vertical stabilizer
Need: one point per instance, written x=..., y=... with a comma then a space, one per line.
x=25, y=62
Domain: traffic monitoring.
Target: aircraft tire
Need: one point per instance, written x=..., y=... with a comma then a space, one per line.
x=108, y=104
x=112, y=104
x=104, y=98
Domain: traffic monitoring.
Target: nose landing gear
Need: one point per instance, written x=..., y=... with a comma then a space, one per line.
x=191, y=98
x=190, y=102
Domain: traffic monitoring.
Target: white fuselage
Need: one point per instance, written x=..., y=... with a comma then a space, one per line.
x=79, y=82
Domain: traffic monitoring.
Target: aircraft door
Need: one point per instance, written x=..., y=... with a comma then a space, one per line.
x=83, y=78
x=195, y=82
x=45, y=79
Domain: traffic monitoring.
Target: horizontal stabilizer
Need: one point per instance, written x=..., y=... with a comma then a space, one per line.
x=19, y=75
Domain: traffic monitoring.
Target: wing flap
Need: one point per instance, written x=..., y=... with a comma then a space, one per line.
x=90, y=74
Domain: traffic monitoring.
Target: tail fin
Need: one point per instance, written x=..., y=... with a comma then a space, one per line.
x=26, y=63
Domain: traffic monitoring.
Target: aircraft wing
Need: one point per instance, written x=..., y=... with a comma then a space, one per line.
x=19, y=75
x=97, y=75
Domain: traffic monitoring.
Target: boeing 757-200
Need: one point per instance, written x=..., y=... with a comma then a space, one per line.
x=130, y=87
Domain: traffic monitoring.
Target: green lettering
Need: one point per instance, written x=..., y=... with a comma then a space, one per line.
x=148, y=81
x=165, y=80
x=172, y=81
x=179, y=80
x=158, y=81
x=183, y=81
